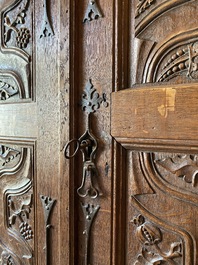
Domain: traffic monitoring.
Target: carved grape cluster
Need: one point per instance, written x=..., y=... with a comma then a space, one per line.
x=22, y=38
x=26, y=231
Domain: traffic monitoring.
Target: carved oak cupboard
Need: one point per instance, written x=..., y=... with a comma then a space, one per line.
x=98, y=132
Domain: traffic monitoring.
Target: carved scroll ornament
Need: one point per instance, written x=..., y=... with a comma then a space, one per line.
x=182, y=166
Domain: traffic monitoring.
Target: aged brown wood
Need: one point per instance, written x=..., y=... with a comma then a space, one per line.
x=146, y=159
x=155, y=112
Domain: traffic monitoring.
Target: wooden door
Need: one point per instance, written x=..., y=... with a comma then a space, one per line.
x=32, y=132
x=155, y=121
x=129, y=193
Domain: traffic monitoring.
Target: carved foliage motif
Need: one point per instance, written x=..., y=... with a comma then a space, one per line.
x=183, y=166
x=7, y=155
x=19, y=209
x=7, y=91
x=183, y=60
x=14, y=25
x=150, y=236
x=142, y=6
x=6, y=259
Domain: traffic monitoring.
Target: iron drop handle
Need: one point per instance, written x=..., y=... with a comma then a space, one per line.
x=87, y=144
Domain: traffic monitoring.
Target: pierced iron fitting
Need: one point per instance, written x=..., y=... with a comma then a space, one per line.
x=87, y=144
x=92, y=12
x=46, y=29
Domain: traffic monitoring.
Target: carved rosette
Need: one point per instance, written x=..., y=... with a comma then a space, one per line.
x=151, y=239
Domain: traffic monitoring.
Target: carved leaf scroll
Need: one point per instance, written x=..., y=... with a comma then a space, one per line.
x=142, y=6
x=7, y=91
x=7, y=155
x=183, y=166
x=151, y=252
x=6, y=259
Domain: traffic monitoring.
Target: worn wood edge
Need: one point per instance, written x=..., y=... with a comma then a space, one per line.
x=120, y=45
x=72, y=125
x=65, y=182
x=119, y=187
x=143, y=144
x=119, y=81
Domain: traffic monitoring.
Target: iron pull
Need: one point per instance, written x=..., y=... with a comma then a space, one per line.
x=87, y=144
x=87, y=188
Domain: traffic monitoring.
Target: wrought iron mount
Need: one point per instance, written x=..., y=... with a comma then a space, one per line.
x=87, y=143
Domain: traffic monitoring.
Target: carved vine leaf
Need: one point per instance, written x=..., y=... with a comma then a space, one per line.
x=150, y=236
x=20, y=208
x=6, y=259
x=91, y=100
x=183, y=60
x=183, y=166
x=142, y=6
x=6, y=90
x=7, y=154
x=22, y=34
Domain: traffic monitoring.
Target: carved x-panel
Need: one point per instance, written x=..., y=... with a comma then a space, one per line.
x=16, y=51
x=16, y=205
